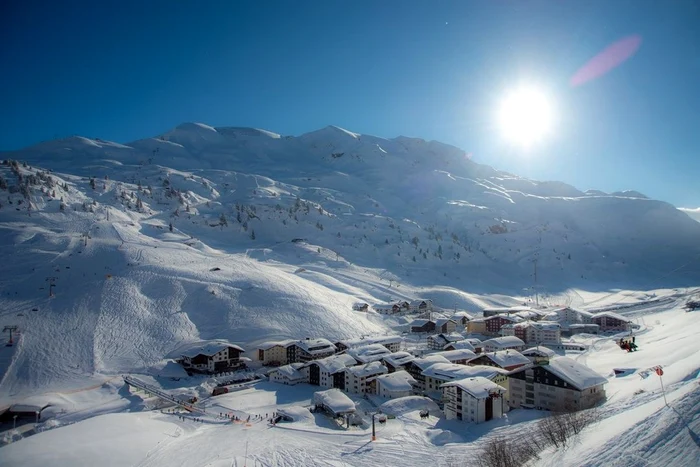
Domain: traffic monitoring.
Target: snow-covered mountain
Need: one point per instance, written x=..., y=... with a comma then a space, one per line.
x=243, y=234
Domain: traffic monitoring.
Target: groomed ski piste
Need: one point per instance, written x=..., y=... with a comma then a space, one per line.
x=129, y=292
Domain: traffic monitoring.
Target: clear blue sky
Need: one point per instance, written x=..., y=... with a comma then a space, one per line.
x=130, y=69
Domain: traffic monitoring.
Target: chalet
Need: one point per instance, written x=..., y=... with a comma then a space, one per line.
x=530, y=332
x=459, y=345
x=420, y=306
x=506, y=359
x=359, y=306
x=397, y=361
x=274, y=353
x=392, y=308
x=311, y=349
x=495, y=323
x=393, y=343
x=504, y=311
x=368, y=353
x=476, y=326
x=462, y=318
x=213, y=357
x=441, y=373
x=445, y=325
x=439, y=341
x=474, y=400
x=356, y=377
x=539, y=354
x=503, y=343
x=460, y=357
x=393, y=385
x=329, y=372
x=422, y=325
x=291, y=374
x=416, y=367
x=608, y=321
x=560, y=384
x=572, y=316
x=334, y=402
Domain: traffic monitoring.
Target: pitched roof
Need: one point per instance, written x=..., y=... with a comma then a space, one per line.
x=335, y=400
x=429, y=360
x=511, y=318
x=463, y=344
x=462, y=314
x=398, y=358
x=539, y=351
x=209, y=349
x=271, y=344
x=368, y=353
x=452, y=371
x=458, y=354
x=289, y=371
x=419, y=322
x=610, y=314
x=506, y=358
x=371, y=340
x=334, y=363
x=477, y=387
x=397, y=381
x=505, y=341
x=441, y=321
x=579, y=376
x=369, y=369
x=315, y=346
x=452, y=337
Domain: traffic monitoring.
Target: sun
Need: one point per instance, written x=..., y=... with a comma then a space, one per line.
x=525, y=116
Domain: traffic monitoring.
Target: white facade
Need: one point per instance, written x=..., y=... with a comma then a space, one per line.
x=474, y=400
x=290, y=375
x=503, y=343
x=420, y=306
x=356, y=377
x=394, y=385
x=569, y=315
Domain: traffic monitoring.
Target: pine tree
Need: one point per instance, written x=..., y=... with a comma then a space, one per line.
x=222, y=220
x=170, y=226
x=252, y=234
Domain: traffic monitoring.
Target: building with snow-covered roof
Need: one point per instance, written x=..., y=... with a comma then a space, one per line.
x=440, y=373
x=559, y=384
x=506, y=359
x=360, y=306
x=422, y=325
x=393, y=385
x=291, y=374
x=329, y=372
x=573, y=316
x=274, y=353
x=309, y=349
x=462, y=318
x=504, y=310
x=539, y=353
x=393, y=343
x=495, y=323
x=397, y=361
x=420, y=306
x=503, y=343
x=212, y=357
x=356, y=377
x=459, y=356
x=534, y=332
x=568, y=330
x=445, y=325
x=475, y=400
x=464, y=344
x=609, y=321
x=439, y=341
x=368, y=353
x=334, y=402
x=477, y=326
x=416, y=367
x=391, y=308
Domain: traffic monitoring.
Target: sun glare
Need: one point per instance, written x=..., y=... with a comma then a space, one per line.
x=525, y=116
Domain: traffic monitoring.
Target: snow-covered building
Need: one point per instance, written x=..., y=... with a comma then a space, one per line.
x=334, y=402
x=416, y=367
x=504, y=310
x=539, y=354
x=274, y=353
x=445, y=325
x=573, y=329
x=573, y=316
x=356, y=377
x=368, y=353
x=420, y=306
x=393, y=343
x=393, y=385
x=291, y=374
x=329, y=372
x=474, y=400
x=422, y=325
x=360, y=306
x=439, y=373
x=506, y=359
x=503, y=343
x=397, y=361
x=609, y=321
x=561, y=384
x=310, y=349
x=476, y=326
x=463, y=344
x=459, y=356
x=462, y=318
x=495, y=323
x=439, y=341
x=391, y=308
x=213, y=357
x=531, y=332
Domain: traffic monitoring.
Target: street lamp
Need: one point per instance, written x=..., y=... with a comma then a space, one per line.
x=374, y=433
x=37, y=417
x=14, y=422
